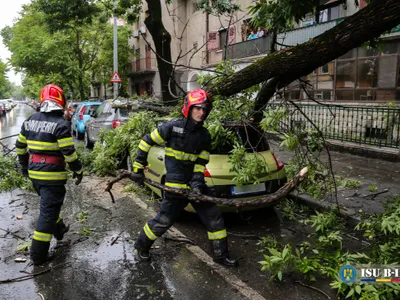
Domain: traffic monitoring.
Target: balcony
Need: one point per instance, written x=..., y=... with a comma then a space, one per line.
x=289, y=38
x=145, y=65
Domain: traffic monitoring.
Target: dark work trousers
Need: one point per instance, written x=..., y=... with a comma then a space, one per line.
x=51, y=200
x=171, y=206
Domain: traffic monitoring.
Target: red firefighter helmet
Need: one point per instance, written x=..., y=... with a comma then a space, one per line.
x=197, y=98
x=53, y=93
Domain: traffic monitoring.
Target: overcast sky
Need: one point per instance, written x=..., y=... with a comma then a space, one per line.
x=8, y=14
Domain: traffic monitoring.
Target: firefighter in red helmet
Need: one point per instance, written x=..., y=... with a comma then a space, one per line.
x=43, y=147
x=187, y=146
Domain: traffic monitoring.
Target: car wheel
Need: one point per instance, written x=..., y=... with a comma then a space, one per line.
x=87, y=142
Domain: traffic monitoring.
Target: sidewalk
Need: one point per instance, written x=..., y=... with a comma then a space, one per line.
x=375, y=172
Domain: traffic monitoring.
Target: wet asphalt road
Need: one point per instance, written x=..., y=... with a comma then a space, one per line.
x=11, y=123
x=98, y=270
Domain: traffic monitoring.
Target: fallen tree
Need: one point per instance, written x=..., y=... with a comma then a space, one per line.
x=281, y=193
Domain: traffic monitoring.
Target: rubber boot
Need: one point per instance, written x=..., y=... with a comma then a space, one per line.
x=60, y=230
x=142, y=247
x=39, y=252
x=221, y=253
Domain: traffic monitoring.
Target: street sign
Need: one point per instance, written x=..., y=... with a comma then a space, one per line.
x=115, y=78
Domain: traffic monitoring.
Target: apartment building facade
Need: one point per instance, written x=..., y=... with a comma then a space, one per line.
x=200, y=41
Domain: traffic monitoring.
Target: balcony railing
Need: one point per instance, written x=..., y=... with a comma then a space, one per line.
x=249, y=48
x=376, y=126
x=303, y=34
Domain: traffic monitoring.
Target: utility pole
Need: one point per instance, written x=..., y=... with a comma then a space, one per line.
x=115, y=50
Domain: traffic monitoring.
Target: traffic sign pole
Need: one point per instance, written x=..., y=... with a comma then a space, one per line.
x=115, y=51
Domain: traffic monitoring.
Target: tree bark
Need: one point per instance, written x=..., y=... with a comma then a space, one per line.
x=162, y=43
x=294, y=62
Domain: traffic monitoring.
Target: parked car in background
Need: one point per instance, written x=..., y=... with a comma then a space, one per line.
x=6, y=104
x=2, y=110
x=107, y=116
x=219, y=178
x=83, y=113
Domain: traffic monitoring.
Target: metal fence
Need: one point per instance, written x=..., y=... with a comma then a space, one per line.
x=376, y=126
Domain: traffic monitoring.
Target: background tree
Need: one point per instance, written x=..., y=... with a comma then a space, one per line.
x=57, y=41
x=5, y=85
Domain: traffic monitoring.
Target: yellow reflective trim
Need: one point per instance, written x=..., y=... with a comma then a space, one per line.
x=71, y=157
x=137, y=165
x=144, y=145
x=37, y=145
x=150, y=234
x=180, y=155
x=65, y=142
x=42, y=236
x=59, y=219
x=217, y=235
x=79, y=172
x=199, y=168
x=21, y=151
x=204, y=155
x=176, y=185
x=141, y=147
x=47, y=175
x=156, y=137
x=21, y=139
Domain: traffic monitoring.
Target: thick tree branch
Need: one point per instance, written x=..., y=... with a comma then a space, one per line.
x=282, y=192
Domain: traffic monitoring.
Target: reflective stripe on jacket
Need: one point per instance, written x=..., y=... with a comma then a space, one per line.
x=47, y=134
x=187, y=147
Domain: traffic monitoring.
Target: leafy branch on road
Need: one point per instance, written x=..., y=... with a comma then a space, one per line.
x=324, y=252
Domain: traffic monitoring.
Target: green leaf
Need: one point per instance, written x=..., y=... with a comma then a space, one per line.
x=358, y=289
x=280, y=275
x=350, y=293
x=25, y=246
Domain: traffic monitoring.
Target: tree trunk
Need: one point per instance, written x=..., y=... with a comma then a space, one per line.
x=294, y=62
x=162, y=42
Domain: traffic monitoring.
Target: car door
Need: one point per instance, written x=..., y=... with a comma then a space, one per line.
x=102, y=120
x=74, y=119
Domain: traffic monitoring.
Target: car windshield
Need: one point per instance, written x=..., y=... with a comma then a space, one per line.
x=90, y=108
x=253, y=140
x=123, y=111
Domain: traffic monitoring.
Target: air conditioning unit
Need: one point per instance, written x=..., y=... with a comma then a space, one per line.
x=136, y=33
x=143, y=29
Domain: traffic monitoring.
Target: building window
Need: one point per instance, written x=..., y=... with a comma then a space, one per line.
x=346, y=74
x=387, y=71
x=367, y=51
x=389, y=48
x=325, y=69
x=367, y=73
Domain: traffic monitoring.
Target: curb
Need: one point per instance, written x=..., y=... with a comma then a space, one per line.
x=350, y=215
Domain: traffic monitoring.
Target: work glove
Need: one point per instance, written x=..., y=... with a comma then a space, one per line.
x=138, y=176
x=196, y=190
x=78, y=178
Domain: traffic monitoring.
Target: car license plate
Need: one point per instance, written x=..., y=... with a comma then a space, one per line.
x=248, y=189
